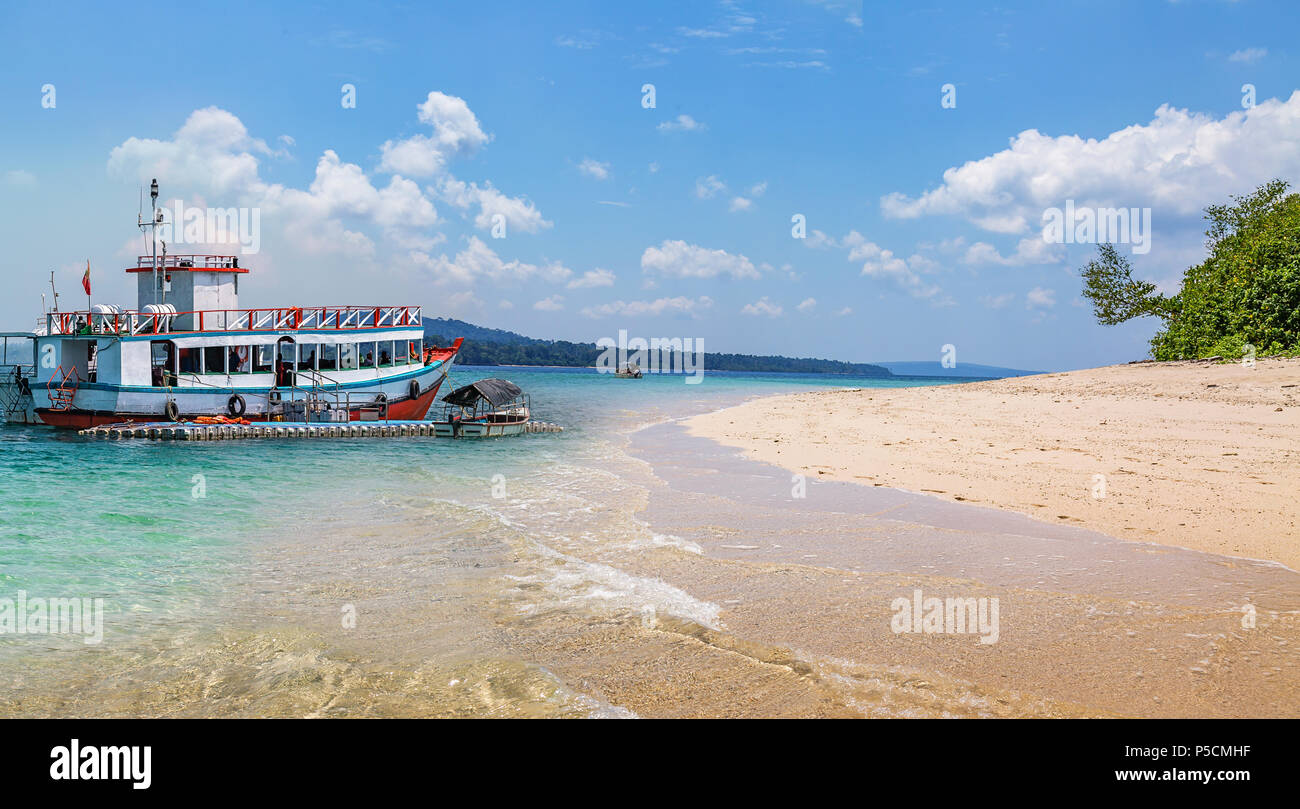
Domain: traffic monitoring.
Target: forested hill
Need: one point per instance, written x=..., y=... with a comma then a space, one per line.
x=484, y=346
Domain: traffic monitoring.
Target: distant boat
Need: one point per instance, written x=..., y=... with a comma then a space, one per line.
x=487, y=408
x=629, y=371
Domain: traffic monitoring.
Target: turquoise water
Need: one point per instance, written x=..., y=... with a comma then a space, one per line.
x=184, y=539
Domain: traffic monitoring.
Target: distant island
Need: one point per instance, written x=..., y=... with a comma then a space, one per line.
x=487, y=346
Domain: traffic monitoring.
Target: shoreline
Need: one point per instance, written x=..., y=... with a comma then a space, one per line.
x=1188, y=455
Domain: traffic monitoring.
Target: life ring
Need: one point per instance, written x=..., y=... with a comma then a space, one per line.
x=273, y=397
x=172, y=412
x=235, y=405
x=381, y=400
x=415, y=389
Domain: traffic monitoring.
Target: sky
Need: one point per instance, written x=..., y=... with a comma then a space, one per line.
x=857, y=181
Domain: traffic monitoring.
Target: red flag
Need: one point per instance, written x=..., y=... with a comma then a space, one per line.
x=85, y=279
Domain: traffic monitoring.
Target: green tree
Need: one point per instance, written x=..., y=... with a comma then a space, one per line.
x=1247, y=291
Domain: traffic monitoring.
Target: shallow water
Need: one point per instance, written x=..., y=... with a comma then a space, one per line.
x=604, y=571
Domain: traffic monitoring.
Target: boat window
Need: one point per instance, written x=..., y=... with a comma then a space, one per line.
x=162, y=362
x=189, y=360
x=263, y=359
x=367, y=355
x=238, y=360
x=214, y=360
x=385, y=353
x=307, y=356
x=329, y=354
x=399, y=352
x=288, y=353
x=347, y=356
x=417, y=351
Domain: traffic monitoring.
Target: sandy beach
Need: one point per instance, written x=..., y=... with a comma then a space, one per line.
x=1191, y=454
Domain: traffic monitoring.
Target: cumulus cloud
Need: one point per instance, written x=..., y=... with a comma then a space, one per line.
x=1177, y=163
x=660, y=306
x=478, y=260
x=517, y=212
x=552, y=304
x=677, y=259
x=881, y=264
x=1039, y=298
x=740, y=204
x=762, y=307
x=1029, y=250
x=807, y=305
x=593, y=278
x=456, y=131
x=212, y=150
x=709, y=187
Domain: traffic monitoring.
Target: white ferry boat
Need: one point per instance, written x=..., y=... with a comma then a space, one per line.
x=188, y=351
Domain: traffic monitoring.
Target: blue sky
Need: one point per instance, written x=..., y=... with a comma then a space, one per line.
x=923, y=222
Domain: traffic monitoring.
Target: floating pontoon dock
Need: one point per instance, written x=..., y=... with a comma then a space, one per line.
x=173, y=431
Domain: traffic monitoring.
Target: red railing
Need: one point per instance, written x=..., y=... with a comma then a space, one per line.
x=293, y=318
x=188, y=262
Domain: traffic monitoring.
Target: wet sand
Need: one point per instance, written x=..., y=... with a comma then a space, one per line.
x=1196, y=455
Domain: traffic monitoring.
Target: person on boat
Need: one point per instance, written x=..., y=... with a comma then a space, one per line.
x=383, y=358
x=282, y=376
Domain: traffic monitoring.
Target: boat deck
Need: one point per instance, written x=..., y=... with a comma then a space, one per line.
x=167, y=430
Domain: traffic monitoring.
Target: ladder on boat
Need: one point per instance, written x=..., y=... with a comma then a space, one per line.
x=61, y=394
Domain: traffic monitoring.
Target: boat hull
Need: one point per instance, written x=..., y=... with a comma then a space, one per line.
x=96, y=405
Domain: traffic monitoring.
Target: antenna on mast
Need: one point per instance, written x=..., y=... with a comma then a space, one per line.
x=154, y=218
x=55, y=291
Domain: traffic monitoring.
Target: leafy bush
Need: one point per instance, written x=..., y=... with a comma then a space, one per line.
x=1246, y=292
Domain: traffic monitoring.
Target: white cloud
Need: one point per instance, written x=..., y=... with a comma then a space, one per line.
x=807, y=305
x=709, y=187
x=593, y=278
x=882, y=264
x=1029, y=250
x=551, y=304
x=478, y=260
x=677, y=259
x=1176, y=164
x=682, y=123
x=594, y=168
x=678, y=305
x=456, y=131
x=212, y=150
x=846, y=311
x=763, y=307
x=653, y=168
x=519, y=213
x=1039, y=298
x=740, y=203
x=1248, y=55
